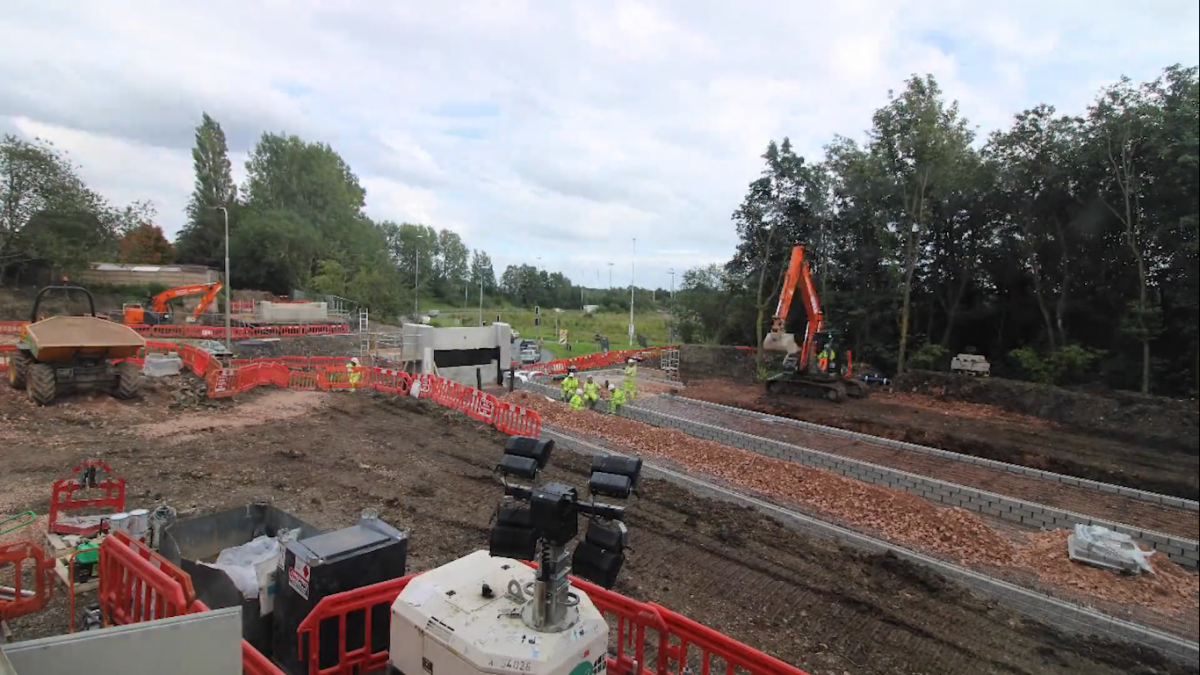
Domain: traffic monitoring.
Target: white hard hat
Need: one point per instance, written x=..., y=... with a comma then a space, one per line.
x=631, y=359
x=354, y=360
x=578, y=391
x=612, y=387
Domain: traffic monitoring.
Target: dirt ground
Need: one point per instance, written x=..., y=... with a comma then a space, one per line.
x=324, y=457
x=979, y=430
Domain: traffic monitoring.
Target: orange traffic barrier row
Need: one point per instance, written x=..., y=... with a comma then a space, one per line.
x=594, y=361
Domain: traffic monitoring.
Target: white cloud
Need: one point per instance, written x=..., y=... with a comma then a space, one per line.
x=560, y=130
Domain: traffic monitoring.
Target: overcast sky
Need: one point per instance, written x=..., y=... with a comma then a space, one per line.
x=553, y=129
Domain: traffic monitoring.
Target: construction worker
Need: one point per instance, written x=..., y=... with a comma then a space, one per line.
x=825, y=357
x=591, y=393
x=577, y=400
x=616, y=398
x=630, y=382
x=569, y=384
x=353, y=372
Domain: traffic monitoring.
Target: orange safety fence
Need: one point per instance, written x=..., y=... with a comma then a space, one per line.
x=332, y=374
x=22, y=560
x=4, y=351
x=650, y=639
x=594, y=361
x=137, y=584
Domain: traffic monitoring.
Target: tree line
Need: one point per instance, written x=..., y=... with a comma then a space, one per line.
x=296, y=223
x=1064, y=247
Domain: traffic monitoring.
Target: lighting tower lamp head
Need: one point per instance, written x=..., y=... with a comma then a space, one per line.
x=538, y=523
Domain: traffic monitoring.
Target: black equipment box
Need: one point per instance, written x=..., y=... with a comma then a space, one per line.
x=363, y=554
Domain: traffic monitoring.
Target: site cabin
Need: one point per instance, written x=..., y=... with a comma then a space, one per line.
x=971, y=364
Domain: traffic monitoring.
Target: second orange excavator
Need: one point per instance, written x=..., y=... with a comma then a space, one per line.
x=159, y=311
x=811, y=368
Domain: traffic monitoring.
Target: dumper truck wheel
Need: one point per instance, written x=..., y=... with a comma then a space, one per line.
x=129, y=380
x=18, y=369
x=41, y=385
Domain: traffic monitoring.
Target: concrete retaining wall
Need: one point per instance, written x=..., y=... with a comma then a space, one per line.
x=420, y=342
x=283, y=312
x=1142, y=495
x=1181, y=551
x=1061, y=615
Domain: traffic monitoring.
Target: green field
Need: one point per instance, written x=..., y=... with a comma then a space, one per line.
x=581, y=329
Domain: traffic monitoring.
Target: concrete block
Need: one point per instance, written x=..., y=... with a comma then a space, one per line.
x=1184, y=544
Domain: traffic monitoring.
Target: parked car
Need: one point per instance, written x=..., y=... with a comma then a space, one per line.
x=530, y=354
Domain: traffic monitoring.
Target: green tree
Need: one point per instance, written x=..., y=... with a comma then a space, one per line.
x=202, y=239
x=923, y=144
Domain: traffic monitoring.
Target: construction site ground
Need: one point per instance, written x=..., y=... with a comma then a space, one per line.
x=983, y=431
x=325, y=456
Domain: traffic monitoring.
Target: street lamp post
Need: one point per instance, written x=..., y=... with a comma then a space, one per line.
x=672, y=273
x=228, y=285
x=632, y=277
x=610, y=268
x=481, y=297
x=417, y=285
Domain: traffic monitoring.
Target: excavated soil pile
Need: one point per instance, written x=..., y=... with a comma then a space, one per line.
x=698, y=362
x=312, y=345
x=894, y=515
x=1150, y=420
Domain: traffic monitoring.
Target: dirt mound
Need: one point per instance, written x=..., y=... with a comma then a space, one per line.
x=699, y=362
x=312, y=345
x=1150, y=420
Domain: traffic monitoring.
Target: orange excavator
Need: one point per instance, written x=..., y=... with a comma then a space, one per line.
x=159, y=312
x=810, y=368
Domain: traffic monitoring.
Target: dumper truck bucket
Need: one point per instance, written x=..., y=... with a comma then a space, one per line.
x=781, y=342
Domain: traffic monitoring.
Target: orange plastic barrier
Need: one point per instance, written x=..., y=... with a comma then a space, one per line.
x=11, y=327
x=26, y=558
x=515, y=420
x=364, y=659
x=481, y=406
x=4, y=351
x=391, y=381
x=675, y=639
x=593, y=361
x=137, y=584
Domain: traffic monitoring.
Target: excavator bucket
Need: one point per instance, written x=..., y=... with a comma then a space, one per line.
x=781, y=342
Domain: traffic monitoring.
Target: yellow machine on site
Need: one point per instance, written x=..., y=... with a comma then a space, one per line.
x=65, y=354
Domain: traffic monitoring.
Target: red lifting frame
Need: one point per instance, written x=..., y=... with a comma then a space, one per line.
x=16, y=555
x=62, y=498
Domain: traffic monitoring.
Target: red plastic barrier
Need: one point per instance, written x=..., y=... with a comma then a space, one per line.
x=62, y=496
x=4, y=350
x=481, y=406
x=11, y=327
x=26, y=558
x=337, y=607
x=137, y=584
x=302, y=380
x=390, y=381
x=515, y=420
x=675, y=639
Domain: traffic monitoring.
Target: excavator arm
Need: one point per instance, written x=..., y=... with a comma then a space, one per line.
x=161, y=302
x=799, y=277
